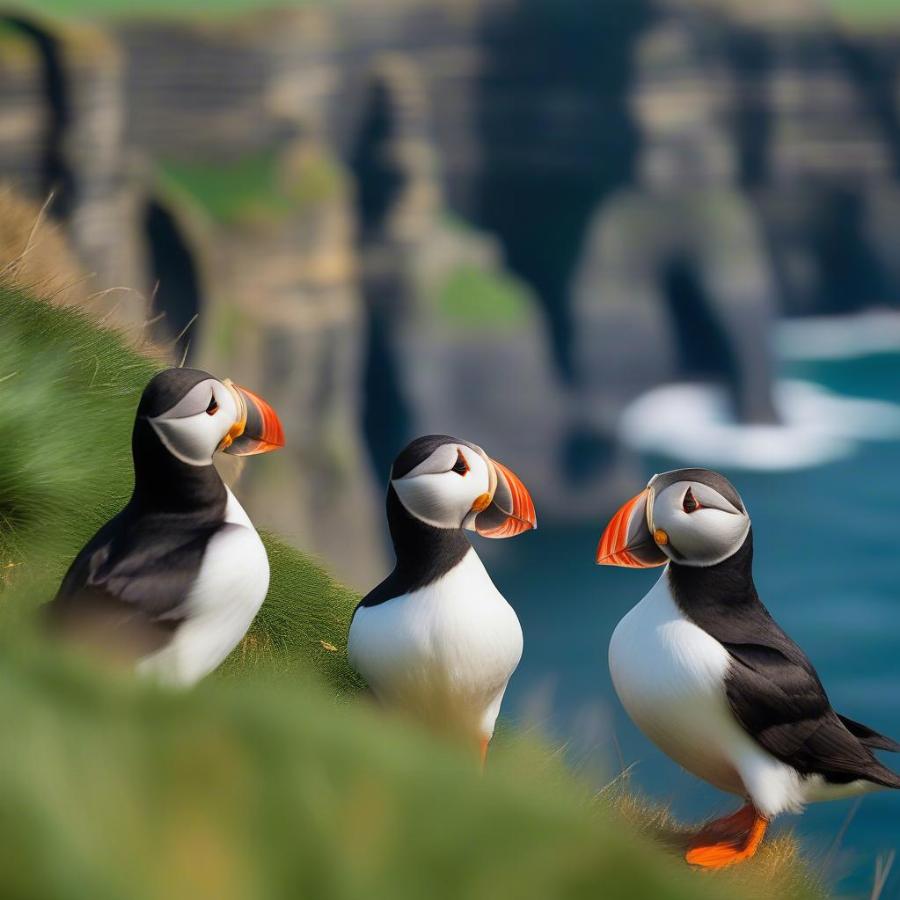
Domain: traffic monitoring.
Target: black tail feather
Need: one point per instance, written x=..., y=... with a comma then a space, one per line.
x=869, y=738
x=882, y=775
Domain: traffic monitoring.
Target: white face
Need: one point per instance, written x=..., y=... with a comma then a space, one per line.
x=193, y=429
x=701, y=527
x=443, y=488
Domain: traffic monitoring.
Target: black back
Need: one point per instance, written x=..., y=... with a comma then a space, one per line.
x=772, y=687
x=136, y=572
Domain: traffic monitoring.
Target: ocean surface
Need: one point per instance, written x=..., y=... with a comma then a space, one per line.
x=827, y=565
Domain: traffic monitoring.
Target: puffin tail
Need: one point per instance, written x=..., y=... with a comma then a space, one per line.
x=869, y=737
x=882, y=775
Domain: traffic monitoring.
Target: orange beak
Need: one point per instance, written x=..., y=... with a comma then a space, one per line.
x=509, y=510
x=257, y=429
x=627, y=540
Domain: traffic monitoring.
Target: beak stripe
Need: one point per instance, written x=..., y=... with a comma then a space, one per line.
x=520, y=517
x=614, y=549
x=258, y=429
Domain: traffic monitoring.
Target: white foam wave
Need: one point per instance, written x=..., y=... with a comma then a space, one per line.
x=838, y=337
x=694, y=423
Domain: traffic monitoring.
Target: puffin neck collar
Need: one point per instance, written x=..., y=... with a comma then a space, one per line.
x=165, y=484
x=726, y=584
x=423, y=552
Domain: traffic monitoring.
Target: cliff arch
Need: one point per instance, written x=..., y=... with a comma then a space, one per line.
x=686, y=288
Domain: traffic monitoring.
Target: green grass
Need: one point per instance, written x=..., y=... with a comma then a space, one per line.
x=257, y=784
x=471, y=297
x=67, y=397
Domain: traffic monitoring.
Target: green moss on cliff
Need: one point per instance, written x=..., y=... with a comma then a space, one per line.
x=162, y=8
x=230, y=192
x=472, y=297
x=867, y=13
x=256, y=189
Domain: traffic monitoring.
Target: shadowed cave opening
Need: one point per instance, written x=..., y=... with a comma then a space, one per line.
x=729, y=351
x=379, y=182
x=54, y=171
x=852, y=274
x=174, y=279
x=704, y=350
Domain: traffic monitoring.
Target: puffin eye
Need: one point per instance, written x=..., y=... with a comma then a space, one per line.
x=460, y=466
x=690, y=504
x=213, y=407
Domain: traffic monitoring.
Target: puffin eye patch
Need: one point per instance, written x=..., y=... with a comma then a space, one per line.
x=690, y=504
x=213, y=407
x=460, y=466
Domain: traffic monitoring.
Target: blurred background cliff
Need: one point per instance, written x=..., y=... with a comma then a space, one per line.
x=506, y=220
x=599, y=238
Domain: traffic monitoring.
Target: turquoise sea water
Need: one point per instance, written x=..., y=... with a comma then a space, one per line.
x=827, y=564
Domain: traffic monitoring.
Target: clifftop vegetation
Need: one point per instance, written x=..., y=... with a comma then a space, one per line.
x=258, y=783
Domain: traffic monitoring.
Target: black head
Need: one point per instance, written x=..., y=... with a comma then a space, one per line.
x=167, y=388
x=693, y=517
x=448, y=483
x=193, y=414
x=183, y=418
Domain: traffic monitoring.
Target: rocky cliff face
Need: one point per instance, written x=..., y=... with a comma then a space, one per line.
x=676, y=264
x=456, y=345
x=61, y=138
x=464, y=217
x=287, y=319
x=764, y=183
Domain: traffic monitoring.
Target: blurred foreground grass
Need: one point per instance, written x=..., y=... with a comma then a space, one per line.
x=257, y=784
x=259, y=790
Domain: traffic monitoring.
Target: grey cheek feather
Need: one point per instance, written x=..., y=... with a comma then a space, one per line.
x=160, y=429
x=704, y=537
x=720, y=543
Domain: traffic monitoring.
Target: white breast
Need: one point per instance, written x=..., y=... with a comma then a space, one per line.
x=446, y=649
x=670, y=676
x=230, y=587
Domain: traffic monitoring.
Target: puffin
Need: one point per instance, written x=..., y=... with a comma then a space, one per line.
x=172, y=582
x=436, y=638
x=706, y=673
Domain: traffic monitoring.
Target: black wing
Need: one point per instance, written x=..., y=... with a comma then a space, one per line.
x=870, y=737
x=782, y=704
x=129, y=583
x=772, y=687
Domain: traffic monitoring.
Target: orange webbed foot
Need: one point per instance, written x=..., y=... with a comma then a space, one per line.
x=483, y=750
x=726, y=841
